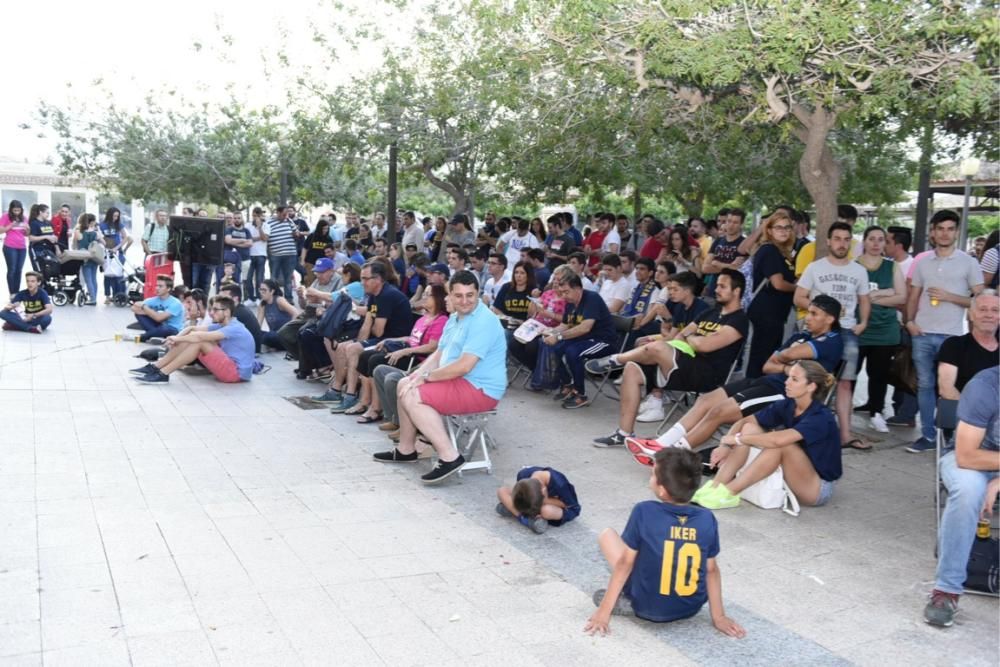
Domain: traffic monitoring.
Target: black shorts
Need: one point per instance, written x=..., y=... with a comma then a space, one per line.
x=689, y=374
x=752, y=394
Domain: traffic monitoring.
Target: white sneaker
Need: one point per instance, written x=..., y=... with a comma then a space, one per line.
x=650, y=401
x=877, y=422
x=653, y=413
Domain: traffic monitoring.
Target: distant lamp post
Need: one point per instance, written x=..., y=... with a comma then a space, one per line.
x=969, y=168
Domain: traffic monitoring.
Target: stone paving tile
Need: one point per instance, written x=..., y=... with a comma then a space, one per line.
x=205, y=524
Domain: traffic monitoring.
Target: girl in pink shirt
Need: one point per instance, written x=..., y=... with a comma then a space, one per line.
x=14, y=227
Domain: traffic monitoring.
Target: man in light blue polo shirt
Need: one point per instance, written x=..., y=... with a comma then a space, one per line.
x=161, y=315
x=467, y=374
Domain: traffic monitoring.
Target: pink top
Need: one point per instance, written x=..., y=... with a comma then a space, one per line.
x=551, y=302
x=17, y=236
x=427, y=330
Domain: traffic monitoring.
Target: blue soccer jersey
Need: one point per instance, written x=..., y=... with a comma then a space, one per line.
x=558, y=488
x=674, y=544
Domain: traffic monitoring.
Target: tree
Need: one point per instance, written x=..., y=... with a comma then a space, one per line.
x=806, y=66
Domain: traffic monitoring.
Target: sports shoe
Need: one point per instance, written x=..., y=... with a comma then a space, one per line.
x=574, y=401
x=443, y=470
x=704, y=490
x=503, y=511
x=921, y=445
x=616, y=439
x=653, y=413
x=329, y=396
x=35, y=329
x=877, y=422
x=941, y=610
x=154, y=378
x=395, y=456
x=144, y=370
x=642, y=450
x=155, y=340
x=7, y=326
x=346, y=403
x=135, y=326
x=649, y=401
x=563, y=393
x=602, y=366
x=718, y=498
x=388, y=426
x=538, y=525
x=623, y=606
x=897, y=420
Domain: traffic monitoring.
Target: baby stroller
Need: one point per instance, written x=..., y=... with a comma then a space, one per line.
x=135, y=282
x=61, y=279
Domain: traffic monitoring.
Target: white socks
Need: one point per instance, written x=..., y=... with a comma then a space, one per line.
x=673, y=435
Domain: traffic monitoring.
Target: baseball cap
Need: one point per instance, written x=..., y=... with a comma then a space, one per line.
x=323, y=264
x=439, y=268
x=459, y=219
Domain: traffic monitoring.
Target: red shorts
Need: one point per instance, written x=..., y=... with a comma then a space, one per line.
x=457, y=396
x=222, y=367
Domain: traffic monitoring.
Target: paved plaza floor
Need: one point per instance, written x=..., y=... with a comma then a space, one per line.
x=201, y=524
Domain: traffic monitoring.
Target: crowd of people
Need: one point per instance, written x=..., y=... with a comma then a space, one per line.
x=406, y=330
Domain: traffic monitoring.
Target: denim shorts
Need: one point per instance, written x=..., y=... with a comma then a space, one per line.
x=825, y=492
x=850, y=357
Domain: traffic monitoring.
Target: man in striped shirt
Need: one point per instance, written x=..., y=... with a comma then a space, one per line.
x=281, y=255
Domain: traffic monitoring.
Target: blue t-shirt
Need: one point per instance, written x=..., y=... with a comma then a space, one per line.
x=40, y=228
x=592, y=307
x=681, y=316
x=819, y=431
x=172, y=305
x=33, y=303
x=239, y=233
x=639, y=301
x=542, y=276
x=356, y=291
x=978, y=406
x=481, y=334
x=827, y=350
x=358, y=258
x=558, y=487
x=668, y=585
x=238, y=345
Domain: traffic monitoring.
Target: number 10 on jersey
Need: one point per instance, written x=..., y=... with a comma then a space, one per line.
x=680, y=569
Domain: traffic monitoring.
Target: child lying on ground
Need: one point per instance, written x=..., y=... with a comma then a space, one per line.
x=542, y=497
x=663, y=565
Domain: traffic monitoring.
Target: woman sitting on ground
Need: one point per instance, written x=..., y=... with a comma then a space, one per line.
x=799, y=433
x=399, y=353
x=275, y=310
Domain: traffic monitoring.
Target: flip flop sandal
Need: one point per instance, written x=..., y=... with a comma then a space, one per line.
x=356, y=410
x=370, y=420
x=857, y=444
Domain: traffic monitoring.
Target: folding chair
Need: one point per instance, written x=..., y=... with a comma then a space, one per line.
x=623, y=325
x=469, y=433
x=832, y=391
x=515, y=365
x=946, y=418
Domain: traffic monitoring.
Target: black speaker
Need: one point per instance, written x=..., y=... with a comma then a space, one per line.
x=196, y=240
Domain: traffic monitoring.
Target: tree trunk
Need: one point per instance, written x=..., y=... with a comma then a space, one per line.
x=692, y=203
x=923, y=189
x=462, y=199
x=636, y=203
x=818, y=169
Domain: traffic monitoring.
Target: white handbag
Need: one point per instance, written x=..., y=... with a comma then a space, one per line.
x=113, y=267
x=770, y=493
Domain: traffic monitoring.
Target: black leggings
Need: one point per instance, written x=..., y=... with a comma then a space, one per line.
x=879, y=360
x=372, y=359
x=766, y=338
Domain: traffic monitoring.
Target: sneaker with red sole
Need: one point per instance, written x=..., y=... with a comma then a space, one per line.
x=643, y=450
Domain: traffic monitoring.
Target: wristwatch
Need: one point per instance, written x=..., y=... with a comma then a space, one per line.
x=426, y=375
x=559, y=336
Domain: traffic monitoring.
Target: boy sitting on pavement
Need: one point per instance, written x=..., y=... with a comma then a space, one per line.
x=224, y=347
x=37, y=307
x=542, y=497
x=663, y=564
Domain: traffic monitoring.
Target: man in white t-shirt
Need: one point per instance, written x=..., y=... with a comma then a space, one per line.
x=612, y=239
x=499, y=276
x=513, y=242
x=846, y=281
x=615, y=288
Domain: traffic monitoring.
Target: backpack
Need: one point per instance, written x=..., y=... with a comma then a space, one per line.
x=984, y=565
x=332, y=322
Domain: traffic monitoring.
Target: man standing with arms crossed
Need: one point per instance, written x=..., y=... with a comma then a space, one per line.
x=847, y=282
